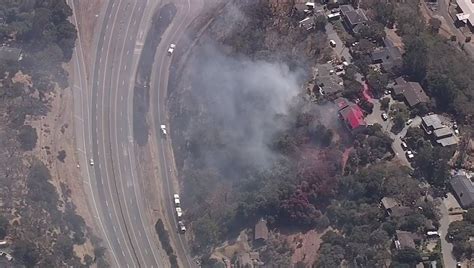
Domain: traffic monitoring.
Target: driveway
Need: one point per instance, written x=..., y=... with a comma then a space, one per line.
x=341, y=50
x=446, y=219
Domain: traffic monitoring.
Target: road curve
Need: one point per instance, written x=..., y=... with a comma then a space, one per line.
x=187, y=11
x=103, y=124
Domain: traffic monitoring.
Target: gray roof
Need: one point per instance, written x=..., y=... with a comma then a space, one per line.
x=261, y=230
x=10, y=53
x=432, y=121
x=412, y=91
x=406, y=239
x=330, y=83
x=389, y=202
x=464, y=190
x=353, y=16
x=442, y=132
x=448, y=141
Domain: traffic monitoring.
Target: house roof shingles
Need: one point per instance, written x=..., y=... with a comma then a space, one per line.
x=464, y=190
x=406, y=239
x=353, y=16
x=412, y=91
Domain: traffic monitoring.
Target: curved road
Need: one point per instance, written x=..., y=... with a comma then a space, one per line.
x=103, y=123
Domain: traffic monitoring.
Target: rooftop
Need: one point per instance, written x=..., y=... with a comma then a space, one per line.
x=464, y=190
x=448, y=141
x=389, y=202
x=330, y=82
x=467, y=7
x=261, y=230
x=353, y=16
x=442, y=132
x=412, y=91
x=406, y=239
x=432, y=121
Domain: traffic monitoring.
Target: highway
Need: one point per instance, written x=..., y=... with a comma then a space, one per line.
x=103, y=108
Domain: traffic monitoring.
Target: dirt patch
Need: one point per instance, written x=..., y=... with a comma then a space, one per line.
x=87, y=15
x=55, y=133
x=395, y=38
x=305, y=246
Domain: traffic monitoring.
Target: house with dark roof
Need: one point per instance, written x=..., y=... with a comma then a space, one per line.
x=353, y=18
x=463, y=189
x=351, y=114
x=412, y=92
x=10, y=53
x=393, y=208
x=388, y=57
x=405, y=239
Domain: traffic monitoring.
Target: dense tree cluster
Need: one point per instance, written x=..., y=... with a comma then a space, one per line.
x=459, y=233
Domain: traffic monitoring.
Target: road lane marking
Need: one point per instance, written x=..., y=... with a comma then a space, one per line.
x=106, y=203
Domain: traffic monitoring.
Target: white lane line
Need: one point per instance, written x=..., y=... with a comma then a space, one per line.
x=106, y=203
x=128, y=51
x=125, y=67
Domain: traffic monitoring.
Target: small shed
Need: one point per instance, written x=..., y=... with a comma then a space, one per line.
x=261, y=231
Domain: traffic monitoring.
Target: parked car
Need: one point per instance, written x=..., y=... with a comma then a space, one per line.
x=404, y=145
x=385, y=116
x=91, y=162
x=332, y=43
x=410, y=155
x=409, y=122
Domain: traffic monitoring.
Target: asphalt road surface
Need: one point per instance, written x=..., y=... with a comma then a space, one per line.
x=103, y=124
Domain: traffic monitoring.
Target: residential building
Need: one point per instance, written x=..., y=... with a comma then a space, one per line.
x=463, y=189
x=327, y=81
x=389, y=57
x=261, y=231
x=412, y=92
x=393, y=208
x=351, y=114
x=353, y=18
x=307, y=23
x=442, y=134
x=405, y=239
x=10, y=53
x=466, y=12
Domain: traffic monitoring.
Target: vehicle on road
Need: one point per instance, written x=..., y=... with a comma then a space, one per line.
x=171, y=49
x=177, y=202
x=182, y=228
x=384, y=116
x=404, y=145
x=410, y=155
x=332, y=43
x=163, y=130
x=179, y=212
x=409, y=122
x=91, y=162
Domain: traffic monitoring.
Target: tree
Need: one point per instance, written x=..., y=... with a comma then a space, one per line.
x=435, y=25
x=431, y=164
x=469, y=216
x=27, y=137
x=415, y=57
x=408, y=256
x=3, y=226
x=378, y=81
x=320, y=22
x=385, y=103
x=352, y=89
x=26, y=252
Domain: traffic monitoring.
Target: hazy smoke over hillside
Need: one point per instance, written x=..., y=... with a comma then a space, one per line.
x=240, y=99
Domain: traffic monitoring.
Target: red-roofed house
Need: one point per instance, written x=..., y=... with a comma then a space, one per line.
x=351, y=114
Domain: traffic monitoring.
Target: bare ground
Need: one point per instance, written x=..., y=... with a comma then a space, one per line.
x=86, y=14
x=305, y=246
x=55, y=133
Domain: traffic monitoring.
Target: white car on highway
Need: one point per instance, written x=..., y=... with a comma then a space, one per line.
x=91, y=162
x=179, y=212
x=163, y=130
x=171, y=48
x=181, y=226
x=177, y=202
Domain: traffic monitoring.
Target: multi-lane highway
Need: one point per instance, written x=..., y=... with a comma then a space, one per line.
x=103, y=100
